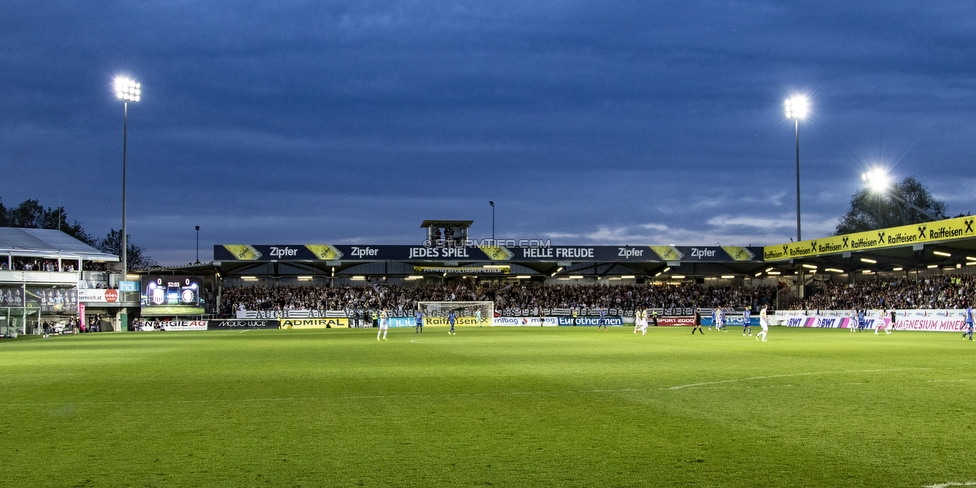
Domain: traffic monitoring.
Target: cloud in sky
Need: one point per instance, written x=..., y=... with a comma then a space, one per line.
x=587, y=121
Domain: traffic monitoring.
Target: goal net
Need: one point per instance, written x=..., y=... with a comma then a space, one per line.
x=465, y=313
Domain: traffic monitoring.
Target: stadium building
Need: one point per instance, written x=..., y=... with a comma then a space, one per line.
x=447, y=255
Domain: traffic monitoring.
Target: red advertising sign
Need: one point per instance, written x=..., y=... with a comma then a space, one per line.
x=111, y=296
x=672, y=320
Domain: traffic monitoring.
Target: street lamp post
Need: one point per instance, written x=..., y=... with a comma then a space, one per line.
x=796, y=109
x=127, y=90
x=198, y=244
x=492, y=203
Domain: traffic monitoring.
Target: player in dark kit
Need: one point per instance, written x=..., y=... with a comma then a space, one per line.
x=697, y=323
x=450, y=320
x=603, y=320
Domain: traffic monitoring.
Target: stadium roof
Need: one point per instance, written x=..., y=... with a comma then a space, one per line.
x=503, y=257
x=946, y=244
x=949, y=243
x=48, y=244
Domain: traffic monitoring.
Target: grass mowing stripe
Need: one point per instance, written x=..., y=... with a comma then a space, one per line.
x=376, y=397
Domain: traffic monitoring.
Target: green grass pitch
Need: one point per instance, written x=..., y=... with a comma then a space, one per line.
x=489, y=406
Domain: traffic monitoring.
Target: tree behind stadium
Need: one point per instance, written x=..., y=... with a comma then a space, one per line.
x=136, y=256
x=31, y=215
x=872, y=210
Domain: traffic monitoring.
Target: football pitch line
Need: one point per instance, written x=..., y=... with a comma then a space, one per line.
x=791, y=375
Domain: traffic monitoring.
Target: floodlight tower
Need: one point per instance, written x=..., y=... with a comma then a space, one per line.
x=492, y=203
x=796, y=109
x=127, y=90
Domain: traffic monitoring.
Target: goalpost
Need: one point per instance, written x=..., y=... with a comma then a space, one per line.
x=465, y=313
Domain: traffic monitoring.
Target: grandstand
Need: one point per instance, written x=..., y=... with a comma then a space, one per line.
x=923, y=266
x=44, y=276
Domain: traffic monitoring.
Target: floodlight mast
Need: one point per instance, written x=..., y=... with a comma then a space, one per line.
x=796, y=109
x=127, y=90
x=492, y=203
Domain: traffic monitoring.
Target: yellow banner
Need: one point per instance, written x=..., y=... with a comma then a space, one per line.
x=739, y=253
x=336, y=323
x=498, y=269
x=243, y=252
x=926, y=232
x=325, y=252
x=668, y=253
x=497, y=253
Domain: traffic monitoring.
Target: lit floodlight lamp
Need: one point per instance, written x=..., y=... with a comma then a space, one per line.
x=127, y=89
x=877, y=180
x=797, y=107
x=942, y=253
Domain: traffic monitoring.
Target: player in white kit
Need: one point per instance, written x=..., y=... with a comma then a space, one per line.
x=764, y=323
x=384, y=324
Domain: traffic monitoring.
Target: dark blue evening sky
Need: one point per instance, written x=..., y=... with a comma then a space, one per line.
x=604, y=122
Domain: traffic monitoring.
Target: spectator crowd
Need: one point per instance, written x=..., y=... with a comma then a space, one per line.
x=940, y=292
x=506, y=296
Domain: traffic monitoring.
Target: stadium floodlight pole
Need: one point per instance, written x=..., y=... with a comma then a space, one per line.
x=127, y=90
x=492, y=203
x=198, y=244
x=796, y=109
